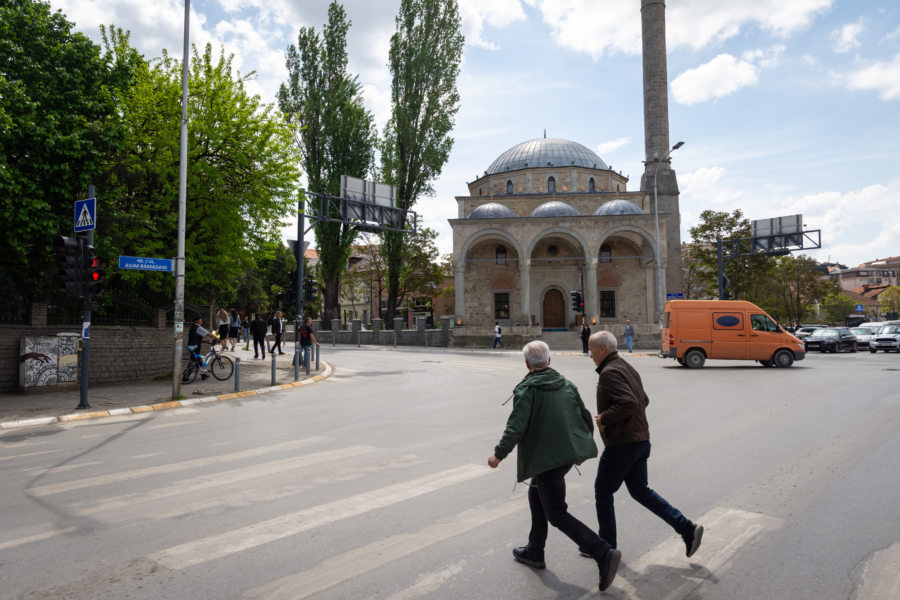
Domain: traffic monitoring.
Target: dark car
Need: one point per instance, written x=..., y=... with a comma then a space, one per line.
x=830, y=339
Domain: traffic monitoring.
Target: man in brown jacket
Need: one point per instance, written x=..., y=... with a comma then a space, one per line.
x=622, y=421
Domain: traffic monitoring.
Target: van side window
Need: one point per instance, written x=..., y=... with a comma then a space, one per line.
x=762, y=323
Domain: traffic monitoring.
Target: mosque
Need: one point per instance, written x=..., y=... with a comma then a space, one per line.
x=549, y=217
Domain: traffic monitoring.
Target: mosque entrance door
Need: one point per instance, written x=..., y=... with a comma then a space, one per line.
x=554, y=309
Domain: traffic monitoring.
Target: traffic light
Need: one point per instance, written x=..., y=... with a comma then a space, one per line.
x=310, y=289
x=93, y=272
x=577, y=302
x=70, y=252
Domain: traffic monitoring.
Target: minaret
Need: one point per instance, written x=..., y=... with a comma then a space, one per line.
x=658, y=179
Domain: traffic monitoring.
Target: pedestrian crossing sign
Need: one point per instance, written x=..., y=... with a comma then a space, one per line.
x=85, y=214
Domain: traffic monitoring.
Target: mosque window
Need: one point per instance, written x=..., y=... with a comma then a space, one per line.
x=551, y=186
x=509, y=187
x=605, y=253
x=501, y=255
x=480, y=193
x=607, y=304
x=501, y=306
x=591, y=185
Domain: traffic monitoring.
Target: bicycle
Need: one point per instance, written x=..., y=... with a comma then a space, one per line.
x=221, y=367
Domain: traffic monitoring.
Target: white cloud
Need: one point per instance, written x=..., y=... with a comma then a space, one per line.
x=605, y=148
x=881, y=76
x=599, y=27
x=703, y=190
x=496, y=13
x=845, y=39
x=720, y=77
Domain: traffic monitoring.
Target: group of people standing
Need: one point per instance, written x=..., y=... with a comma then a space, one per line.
x=232, y=327
x=554, y=431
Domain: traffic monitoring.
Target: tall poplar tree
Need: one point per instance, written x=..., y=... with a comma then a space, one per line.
x=425, y=53
x=335, y=133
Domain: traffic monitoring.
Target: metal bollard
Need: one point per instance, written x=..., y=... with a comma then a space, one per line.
x=273, y=369
x=237, y=373
x=296, y=365
x=306, y=365
x=317, y=358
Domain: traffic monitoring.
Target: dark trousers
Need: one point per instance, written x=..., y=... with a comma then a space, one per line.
x=547, y=501
x=259, y=345
x=277, y=343
x=584, y=345
x=628, y=463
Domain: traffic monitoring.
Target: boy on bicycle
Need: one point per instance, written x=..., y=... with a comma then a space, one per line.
x=196, y=335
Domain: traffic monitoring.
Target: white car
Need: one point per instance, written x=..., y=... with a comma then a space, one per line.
x=863, y=335
x=803, y=332
x=887, y=338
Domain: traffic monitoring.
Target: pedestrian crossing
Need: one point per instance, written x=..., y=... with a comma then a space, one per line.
x=361, y=483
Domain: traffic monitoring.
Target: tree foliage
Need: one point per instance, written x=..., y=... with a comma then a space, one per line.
x=746, y=275
x=59, y=119
x=334, y=132
x=424, y=58
x=242, y=177
x=890, y=299
x=793, y=287
x=837, y=306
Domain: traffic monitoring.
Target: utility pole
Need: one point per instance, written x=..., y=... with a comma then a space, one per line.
x=182, y=211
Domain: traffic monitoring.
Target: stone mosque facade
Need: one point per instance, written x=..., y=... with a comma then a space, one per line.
x=549, y=217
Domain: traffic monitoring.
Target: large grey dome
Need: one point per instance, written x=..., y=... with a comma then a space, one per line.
x=546, y=152
x=492, y=210
x=555, y=208
x=619, y=207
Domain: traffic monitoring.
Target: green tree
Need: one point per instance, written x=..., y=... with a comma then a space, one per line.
x=746, y=275
x=837, y=306
x=242, y=177
x=59, y=118
x=334, y=132
x=890, y=299
x=794, y=286
x=424, y=59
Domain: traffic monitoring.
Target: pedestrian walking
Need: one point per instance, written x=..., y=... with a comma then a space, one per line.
x=629, y=334
x=222, y=325
x=585, y=336
x=553, y=430
x=307, y=339
x=277, y=331
x=245, y=330
x=258, y=331
x=622, y=421
x=234, y=328
x=497, y=334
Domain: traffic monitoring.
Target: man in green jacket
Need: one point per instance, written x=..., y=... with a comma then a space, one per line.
x=553, y=431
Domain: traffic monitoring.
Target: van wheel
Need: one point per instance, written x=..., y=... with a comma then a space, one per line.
x=783, y=359
x=680, y=361
x=694, y=359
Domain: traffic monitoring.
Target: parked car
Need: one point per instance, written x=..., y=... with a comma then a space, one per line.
x=804, y=331
x=887, y=338
x=863, y=335
x=830, y=339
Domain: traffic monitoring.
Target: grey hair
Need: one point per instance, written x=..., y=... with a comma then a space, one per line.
x=537, y=354
x=605, y=339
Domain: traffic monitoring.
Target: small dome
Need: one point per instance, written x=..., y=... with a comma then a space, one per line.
x=555, y=208
x=492, y=210
x=546, y=152
x=619, y=207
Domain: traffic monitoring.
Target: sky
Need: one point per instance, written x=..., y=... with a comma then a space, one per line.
x=785, y=107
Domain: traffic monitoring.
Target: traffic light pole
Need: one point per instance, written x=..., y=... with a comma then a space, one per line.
x=301, y=225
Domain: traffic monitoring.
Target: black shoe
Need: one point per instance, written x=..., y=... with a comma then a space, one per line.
x=523, y=556
x=281, y=353
x=204, y=376
x=608, y=567
x=692, y=539
x=256, y=357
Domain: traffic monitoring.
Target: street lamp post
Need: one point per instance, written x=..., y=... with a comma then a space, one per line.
x=658, y=272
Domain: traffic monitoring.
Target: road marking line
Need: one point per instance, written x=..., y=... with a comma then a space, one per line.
x=67, y=486
x=243, y=538
x=29, y=454
x=196, y=484
x=880, y=577
x=361, y=560
x=60, y=469
x=726, y=531
x=429, y=583
x=35, y=538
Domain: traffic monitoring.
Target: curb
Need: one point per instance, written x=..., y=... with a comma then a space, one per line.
x=114, y=412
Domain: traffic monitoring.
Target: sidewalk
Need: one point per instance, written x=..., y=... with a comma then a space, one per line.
x=54, y=404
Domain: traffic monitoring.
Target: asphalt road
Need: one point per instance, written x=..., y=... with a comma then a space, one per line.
x=374, y=484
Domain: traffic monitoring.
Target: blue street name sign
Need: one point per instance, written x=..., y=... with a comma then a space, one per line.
x=860, y=308
x=85, y=215
x=675, y=296
x=141, y=263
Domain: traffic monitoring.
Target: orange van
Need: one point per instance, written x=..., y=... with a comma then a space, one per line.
x=696, y=330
